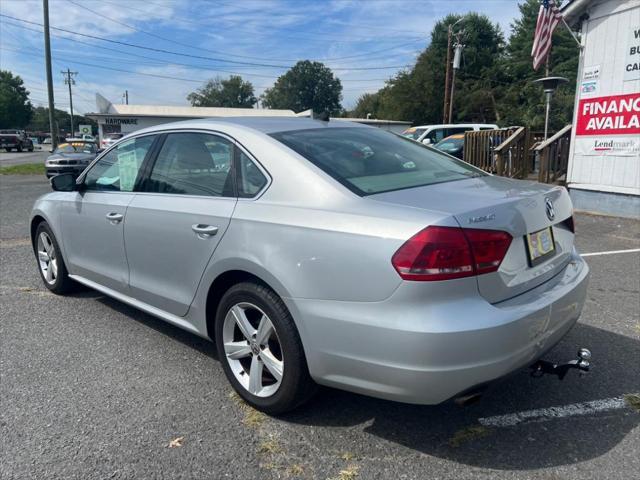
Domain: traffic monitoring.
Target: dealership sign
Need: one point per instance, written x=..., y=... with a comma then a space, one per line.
x=612, y=115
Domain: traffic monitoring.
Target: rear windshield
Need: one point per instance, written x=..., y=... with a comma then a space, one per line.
x=370, y=160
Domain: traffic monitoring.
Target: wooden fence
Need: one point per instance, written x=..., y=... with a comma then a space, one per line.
x=516, y=151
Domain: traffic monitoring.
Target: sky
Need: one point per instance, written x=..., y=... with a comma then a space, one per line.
x=186, y=42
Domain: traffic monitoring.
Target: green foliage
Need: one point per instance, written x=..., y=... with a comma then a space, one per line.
x=306, y=85
x=368, y=103
x=40, y=121
x=494, y=83
x=522, y=101
x=24, y=169
x=15, y=108
x=232, y=92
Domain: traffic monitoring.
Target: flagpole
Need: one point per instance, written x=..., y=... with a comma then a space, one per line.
x=571, y=32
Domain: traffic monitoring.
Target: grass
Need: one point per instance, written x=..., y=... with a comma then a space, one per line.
x=349, y=473
x=269, y=446
x=24, y=169
x=468, y=434
x=633, y=400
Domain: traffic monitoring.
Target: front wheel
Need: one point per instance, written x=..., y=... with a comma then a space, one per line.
x=260, y=349
x=50, y=262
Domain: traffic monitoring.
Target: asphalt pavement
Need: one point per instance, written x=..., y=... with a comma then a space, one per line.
x=93, y=389
x=19, y=158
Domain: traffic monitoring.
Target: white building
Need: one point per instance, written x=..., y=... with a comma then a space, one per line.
x=112, y=117
x=604, y=160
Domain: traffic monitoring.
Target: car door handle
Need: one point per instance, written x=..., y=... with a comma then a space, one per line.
x=204, y=230
x=114, y=217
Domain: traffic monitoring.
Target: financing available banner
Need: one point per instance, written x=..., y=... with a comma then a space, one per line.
x=611, y=115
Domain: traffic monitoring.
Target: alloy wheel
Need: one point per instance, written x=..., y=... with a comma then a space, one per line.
x=252, y=349
x=47, y=258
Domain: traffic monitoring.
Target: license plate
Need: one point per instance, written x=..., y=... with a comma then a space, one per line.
x=540, y=246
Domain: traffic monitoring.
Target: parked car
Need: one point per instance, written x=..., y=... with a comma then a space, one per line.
x=430, y=134
x=324, y=253
x=36, y=143
x=15, y=139
x=109, y=139
x=453, y=145
x=72, y=157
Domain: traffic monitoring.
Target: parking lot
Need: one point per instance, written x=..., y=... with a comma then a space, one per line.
x=91, y=388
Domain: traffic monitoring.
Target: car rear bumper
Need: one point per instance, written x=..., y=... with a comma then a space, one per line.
x=428, y=348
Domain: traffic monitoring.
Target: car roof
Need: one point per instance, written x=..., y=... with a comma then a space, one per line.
x=262, y=124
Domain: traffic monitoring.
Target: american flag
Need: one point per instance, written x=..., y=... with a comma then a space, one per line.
x=548, y=18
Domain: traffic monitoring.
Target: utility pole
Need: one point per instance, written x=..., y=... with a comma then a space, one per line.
x=448, y=81
x=447, y=77
x=68, y=80
x=125, y=96
x=47, y=51
x=456, y=66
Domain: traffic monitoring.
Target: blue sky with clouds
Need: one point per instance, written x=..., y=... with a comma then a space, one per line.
x=364, y=42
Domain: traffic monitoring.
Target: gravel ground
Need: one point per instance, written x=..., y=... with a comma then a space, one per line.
x=92, y=389
x=18, y=158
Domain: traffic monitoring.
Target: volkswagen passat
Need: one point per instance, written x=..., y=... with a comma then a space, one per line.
x=320, y=253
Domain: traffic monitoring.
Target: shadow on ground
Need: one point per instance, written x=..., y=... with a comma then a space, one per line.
x=451, y=432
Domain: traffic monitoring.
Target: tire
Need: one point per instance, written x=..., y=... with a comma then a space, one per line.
x=47, y=252
x=8, y=149
x=31, y=149
x=19, y=149
x=256, y=301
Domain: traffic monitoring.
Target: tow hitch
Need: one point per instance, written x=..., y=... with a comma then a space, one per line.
x=542, y=367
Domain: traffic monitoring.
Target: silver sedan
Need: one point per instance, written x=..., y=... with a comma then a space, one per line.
x=320, y=253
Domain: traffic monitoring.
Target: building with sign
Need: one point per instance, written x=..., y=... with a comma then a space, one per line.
x=118, y=118
x=604, y=160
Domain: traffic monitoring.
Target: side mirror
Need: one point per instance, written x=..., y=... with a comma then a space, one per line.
x=426, y=141
x=99, y=151
x=65, y=182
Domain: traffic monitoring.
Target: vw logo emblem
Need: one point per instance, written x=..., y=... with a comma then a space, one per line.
x=548, y=205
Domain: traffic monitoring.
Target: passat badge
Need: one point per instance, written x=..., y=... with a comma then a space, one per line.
x=482, y=218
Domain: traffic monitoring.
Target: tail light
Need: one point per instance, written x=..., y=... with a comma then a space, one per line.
x=444, y=253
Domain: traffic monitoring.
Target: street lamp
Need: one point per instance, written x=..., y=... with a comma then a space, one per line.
x=549, y=85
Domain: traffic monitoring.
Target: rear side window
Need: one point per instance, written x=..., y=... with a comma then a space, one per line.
x=370, y=160
x=250, y=179
x=193, y=164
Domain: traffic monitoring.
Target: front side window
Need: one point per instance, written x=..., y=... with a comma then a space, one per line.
x=370, y=160
x=118, y=169
x=193, y=164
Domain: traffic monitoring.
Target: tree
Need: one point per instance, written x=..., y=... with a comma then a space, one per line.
x=417, y=94
x=307, y=85
x=368, y=103
x=232, y=92
x=522, y=101
x=15, y=107
x=40, y=120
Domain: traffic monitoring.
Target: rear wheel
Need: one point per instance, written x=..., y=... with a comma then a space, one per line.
x=19, y=149
x=50, y=262
x=260, y=349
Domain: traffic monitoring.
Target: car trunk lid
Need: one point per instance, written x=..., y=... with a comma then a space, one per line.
x=496, y=203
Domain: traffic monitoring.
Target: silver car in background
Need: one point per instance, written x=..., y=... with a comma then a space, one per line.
x=320, y=253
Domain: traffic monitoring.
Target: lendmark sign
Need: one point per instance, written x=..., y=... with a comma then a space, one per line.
x=613, y=115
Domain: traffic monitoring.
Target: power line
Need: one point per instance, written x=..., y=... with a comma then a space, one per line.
x=322, y=37
x=182, y=54
x=160, y=62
